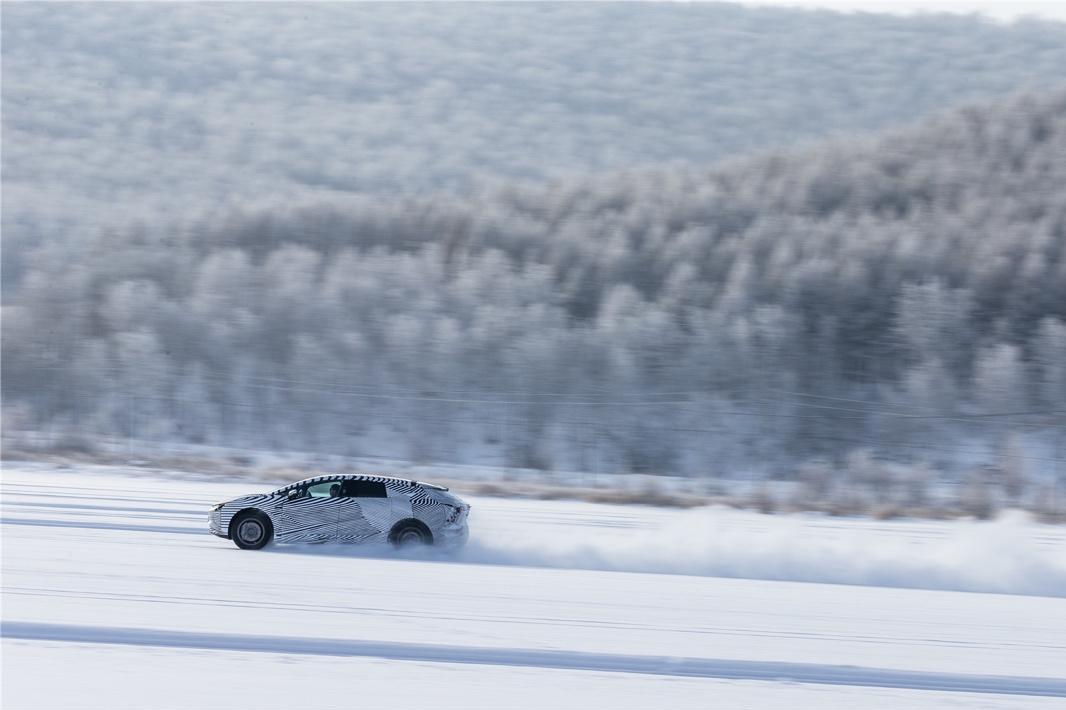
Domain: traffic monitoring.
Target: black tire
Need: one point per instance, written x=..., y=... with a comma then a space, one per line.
x=251, y=530
x=408, y=534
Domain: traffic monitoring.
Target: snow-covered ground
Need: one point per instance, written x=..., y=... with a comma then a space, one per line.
x=114, y=596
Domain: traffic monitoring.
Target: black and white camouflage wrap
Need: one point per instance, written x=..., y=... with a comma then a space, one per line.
x=350, y=518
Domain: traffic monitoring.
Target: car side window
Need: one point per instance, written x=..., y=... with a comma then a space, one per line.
x=324, y=489
x=354, y=488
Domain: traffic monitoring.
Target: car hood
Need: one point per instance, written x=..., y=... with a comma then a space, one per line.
x=255, y=497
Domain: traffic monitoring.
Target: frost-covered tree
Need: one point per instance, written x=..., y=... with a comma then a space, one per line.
x=1000, y=380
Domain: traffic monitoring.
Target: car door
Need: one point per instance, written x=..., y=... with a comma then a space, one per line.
x=310, y=512
x=365, y=512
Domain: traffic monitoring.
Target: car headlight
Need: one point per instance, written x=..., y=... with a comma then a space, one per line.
x=217, y=506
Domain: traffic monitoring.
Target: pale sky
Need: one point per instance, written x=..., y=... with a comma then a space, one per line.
x=997, y=9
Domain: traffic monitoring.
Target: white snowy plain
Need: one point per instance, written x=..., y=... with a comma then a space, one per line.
x=115, y=596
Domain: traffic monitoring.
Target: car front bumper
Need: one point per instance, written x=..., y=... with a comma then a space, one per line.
x=214, y=524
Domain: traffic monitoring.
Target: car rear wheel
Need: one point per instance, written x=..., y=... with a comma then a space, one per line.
x=252, y=530
x=409, y=534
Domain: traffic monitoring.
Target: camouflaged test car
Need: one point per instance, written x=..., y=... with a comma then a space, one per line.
x=345, y=508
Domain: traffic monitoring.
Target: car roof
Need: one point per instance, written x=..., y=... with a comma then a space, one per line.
x=359, y=477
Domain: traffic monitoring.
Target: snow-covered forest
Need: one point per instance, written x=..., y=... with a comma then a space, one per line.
x=115, y=112
x=695, y=256
x=903, y=295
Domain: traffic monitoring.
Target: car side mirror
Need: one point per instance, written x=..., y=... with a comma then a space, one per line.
x=294, y=494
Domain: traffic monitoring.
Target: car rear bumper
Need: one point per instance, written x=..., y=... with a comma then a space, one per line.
x=452, y=538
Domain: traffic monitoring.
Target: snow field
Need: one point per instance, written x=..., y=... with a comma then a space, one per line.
x=112, y=578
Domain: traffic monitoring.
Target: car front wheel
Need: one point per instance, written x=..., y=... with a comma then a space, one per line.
x=252, y=530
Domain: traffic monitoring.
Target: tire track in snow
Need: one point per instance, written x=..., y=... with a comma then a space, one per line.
x=815, y=673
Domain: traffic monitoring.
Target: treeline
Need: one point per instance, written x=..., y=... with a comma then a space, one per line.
x=904, y=294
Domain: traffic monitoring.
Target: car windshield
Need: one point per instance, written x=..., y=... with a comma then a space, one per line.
x=284, y=490
x=318, y=487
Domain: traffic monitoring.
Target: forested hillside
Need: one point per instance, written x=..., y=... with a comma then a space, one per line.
x=904, y=294
x=153, y=111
